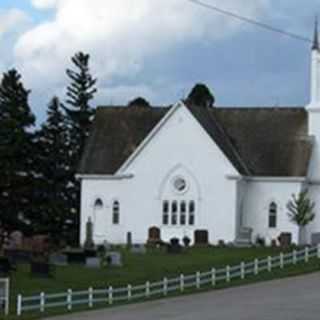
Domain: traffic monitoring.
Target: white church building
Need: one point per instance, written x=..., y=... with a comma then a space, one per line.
x=228, y=172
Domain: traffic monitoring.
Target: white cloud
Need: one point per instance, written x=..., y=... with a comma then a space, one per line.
x=12, y=20
x=120, y=35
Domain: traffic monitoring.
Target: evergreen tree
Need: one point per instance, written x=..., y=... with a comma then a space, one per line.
x=54, y=172
x=16, y=152
x=201, y=96
x=300, y=211
x=79, y=94
x=139, y=102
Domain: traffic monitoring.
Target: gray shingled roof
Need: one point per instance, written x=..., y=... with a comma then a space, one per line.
x=257, y=141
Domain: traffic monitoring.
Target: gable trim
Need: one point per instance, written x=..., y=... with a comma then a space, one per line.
x=104, y=176
x=149, y=137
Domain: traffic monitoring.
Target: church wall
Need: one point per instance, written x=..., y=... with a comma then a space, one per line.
x=180, y=149
x=257, y=204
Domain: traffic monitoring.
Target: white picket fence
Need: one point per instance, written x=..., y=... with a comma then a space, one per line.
x=110, y=295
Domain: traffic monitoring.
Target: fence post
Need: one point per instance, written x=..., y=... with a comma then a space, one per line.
x=306, y=254
x=129, y=291
x=242, y=271
x=42, y=302
x=198, y=280
x=110, y=295
x=147, y=289
x=19, y=305
x=181, y=282
x=165, y=286
x=69, y=299
x=256, y=266
x=281, y=260
x=228, y=273
x=269, y=264
x=213, y=277
x=90, y=296
x=294, y=257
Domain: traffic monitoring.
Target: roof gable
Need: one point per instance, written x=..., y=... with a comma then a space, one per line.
x=257, y=141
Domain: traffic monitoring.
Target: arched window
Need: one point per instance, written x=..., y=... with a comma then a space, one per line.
x=183, y=209
x=174, y=210
x=174, y=207
x=116, y=212
x=165, y=212
x=191, y=213
x=98, y=204
x=174, y=219
x=165, y=219
x=273, y=208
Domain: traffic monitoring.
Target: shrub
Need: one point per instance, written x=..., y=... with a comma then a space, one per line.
x=186, y=241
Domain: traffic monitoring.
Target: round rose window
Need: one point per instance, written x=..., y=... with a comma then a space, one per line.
x=180, y=184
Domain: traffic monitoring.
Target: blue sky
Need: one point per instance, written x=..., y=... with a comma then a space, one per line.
x=159, y=49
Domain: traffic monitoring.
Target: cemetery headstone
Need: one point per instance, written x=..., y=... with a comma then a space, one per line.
x=285, y=239
x=129, y=240
x=58, y=259
x=41, y=269
x=138, y=249
x=315, y=238
x=89, y=244
x=94, y=263
x=154, y=235
x=114, y=259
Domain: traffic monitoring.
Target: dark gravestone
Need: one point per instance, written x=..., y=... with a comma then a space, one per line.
x=114, y=259
x=154, y=235
x=138, y=249
x=93, y=263
x=315, y=238
x=41, y=269
x=129, y=240
x=76, y=256
x=201, y=237
x=285, y=239
x=58, y=259
x=89, y=244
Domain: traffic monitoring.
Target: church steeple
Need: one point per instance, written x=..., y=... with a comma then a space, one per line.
x=315, y=45
x=315, y=72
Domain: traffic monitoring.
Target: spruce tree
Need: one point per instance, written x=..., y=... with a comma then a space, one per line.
x=54, y=172
x=79, y=94
x=16, y=153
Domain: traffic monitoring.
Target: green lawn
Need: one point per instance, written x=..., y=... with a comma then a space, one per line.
x=152, y=266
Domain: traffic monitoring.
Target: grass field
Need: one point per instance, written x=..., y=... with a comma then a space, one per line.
x=152, y=266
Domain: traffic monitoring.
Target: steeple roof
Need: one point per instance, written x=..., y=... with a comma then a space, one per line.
x=315, y=45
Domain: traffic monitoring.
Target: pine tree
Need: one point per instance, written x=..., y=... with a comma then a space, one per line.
x=54, y=172
x=79, y=94
x=300, y=211
x=16, y=152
